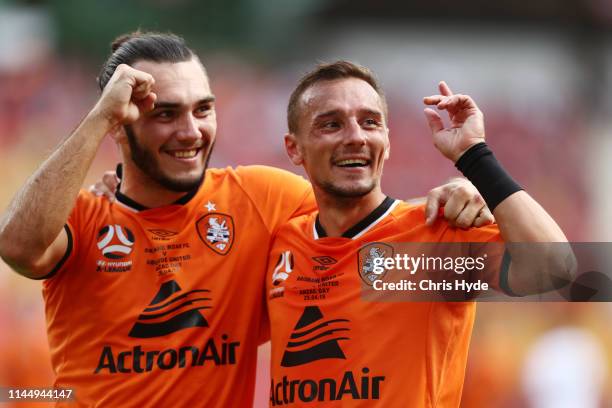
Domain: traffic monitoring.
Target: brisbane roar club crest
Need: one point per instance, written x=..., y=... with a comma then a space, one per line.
x=216, y=230
x=365, y=262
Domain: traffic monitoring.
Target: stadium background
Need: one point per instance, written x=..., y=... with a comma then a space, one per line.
x=541, y=72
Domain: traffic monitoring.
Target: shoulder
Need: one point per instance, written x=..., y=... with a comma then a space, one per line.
x=88, y=204
x=269, y=175
x=257, y=175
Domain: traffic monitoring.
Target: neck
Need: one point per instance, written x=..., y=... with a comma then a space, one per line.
x=143, y=189
x=337, y=215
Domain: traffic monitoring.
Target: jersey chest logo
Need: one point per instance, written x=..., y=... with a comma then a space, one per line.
x=367, y=254
x=115, y=241
x=217, y=231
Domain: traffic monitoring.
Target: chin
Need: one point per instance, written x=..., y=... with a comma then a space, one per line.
x=181, y=184
x=348, y=191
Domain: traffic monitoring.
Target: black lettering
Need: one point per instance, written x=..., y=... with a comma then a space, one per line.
x=182, y=355
x=292, y=391
x=209, y=353
x=285, y=384
x=376, y=386
x=272, y=400
x=137, y=356
x=121, y=361
x=365, y=384
x=276, y=392
x=150, y=356
x=332, y=389
x=106, y=361
x=302, y=390
x=348, y=386
x=160, y=360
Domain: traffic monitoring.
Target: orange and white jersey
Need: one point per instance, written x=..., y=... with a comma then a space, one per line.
x=164, y=306
x=330, y=347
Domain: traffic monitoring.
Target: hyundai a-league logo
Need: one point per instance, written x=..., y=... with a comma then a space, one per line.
x=115, y=241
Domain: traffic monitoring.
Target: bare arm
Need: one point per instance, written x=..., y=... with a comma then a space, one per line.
x=519, y=217
x=32, y=238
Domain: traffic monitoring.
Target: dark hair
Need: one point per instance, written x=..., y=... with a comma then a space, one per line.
x=144, y=46
x=329, y=72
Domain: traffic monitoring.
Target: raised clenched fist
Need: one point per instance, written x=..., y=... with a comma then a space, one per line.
x=126, y=96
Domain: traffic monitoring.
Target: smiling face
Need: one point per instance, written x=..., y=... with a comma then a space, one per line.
x=171, y=145
x=341, y=138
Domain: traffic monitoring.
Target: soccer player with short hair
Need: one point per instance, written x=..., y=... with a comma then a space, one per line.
x=330, y=346
x=157, y=298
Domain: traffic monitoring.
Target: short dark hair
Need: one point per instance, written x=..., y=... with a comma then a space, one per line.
x=329, y=72
x=144, y=46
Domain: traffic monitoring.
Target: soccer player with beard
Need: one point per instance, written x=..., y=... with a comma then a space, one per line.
x=331, y=346
x=157, y=298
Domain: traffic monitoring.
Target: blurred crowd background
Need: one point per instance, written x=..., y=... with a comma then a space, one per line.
x=541, y=72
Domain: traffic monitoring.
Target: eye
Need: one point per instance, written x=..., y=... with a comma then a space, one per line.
x=371, y=123
x=165, y=114
x=203, y=110
x=332, y=124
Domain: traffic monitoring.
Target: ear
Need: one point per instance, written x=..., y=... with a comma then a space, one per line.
x=387, y=145
x=293, y=149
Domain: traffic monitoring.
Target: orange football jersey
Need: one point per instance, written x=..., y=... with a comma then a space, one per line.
x=163, y=307
x=330, y=347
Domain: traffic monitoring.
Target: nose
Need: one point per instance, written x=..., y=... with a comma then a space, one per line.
x=188, y=130
x=355, y=134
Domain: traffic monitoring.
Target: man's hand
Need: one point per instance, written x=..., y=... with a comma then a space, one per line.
x=466, y=127
x=464, y=207
x=106, y=187
x=126, y=96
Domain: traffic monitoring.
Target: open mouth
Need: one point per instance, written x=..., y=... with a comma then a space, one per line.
x=351, y=163
x=183, y=154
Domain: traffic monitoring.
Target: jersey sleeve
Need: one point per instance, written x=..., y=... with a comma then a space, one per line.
x=487, y=242
x=278, y=194
x=83, y=210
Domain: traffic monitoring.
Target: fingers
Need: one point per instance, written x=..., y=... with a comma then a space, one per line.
x=456, y=102
x=110, y=180
x=433, y=120
x=100, y=189
x=458, y=198
x=470, y=213
x=433, y=99
x=444, y=89
x=148, y=103
x=485, y=217
x=435, y=199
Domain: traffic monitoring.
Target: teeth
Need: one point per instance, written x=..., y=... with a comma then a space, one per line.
x=184, y=154
x=350, y=162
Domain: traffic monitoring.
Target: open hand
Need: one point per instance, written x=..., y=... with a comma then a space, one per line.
x=466, y=122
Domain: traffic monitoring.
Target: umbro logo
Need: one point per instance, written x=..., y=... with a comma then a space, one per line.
x=315, y=338
x=324, y=260
x=162, y=234
x=172, y=310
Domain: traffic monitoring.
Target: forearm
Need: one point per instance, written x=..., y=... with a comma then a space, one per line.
x=521, y=219
x=541, y=258
x=41, y=207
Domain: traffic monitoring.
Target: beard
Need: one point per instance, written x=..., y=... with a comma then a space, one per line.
x=146, y=161
x=347, y=192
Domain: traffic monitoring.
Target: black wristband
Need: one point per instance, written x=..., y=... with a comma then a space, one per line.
x=481, y=167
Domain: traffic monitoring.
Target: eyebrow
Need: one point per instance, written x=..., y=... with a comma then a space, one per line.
x=174, y=105
x=336, y=111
